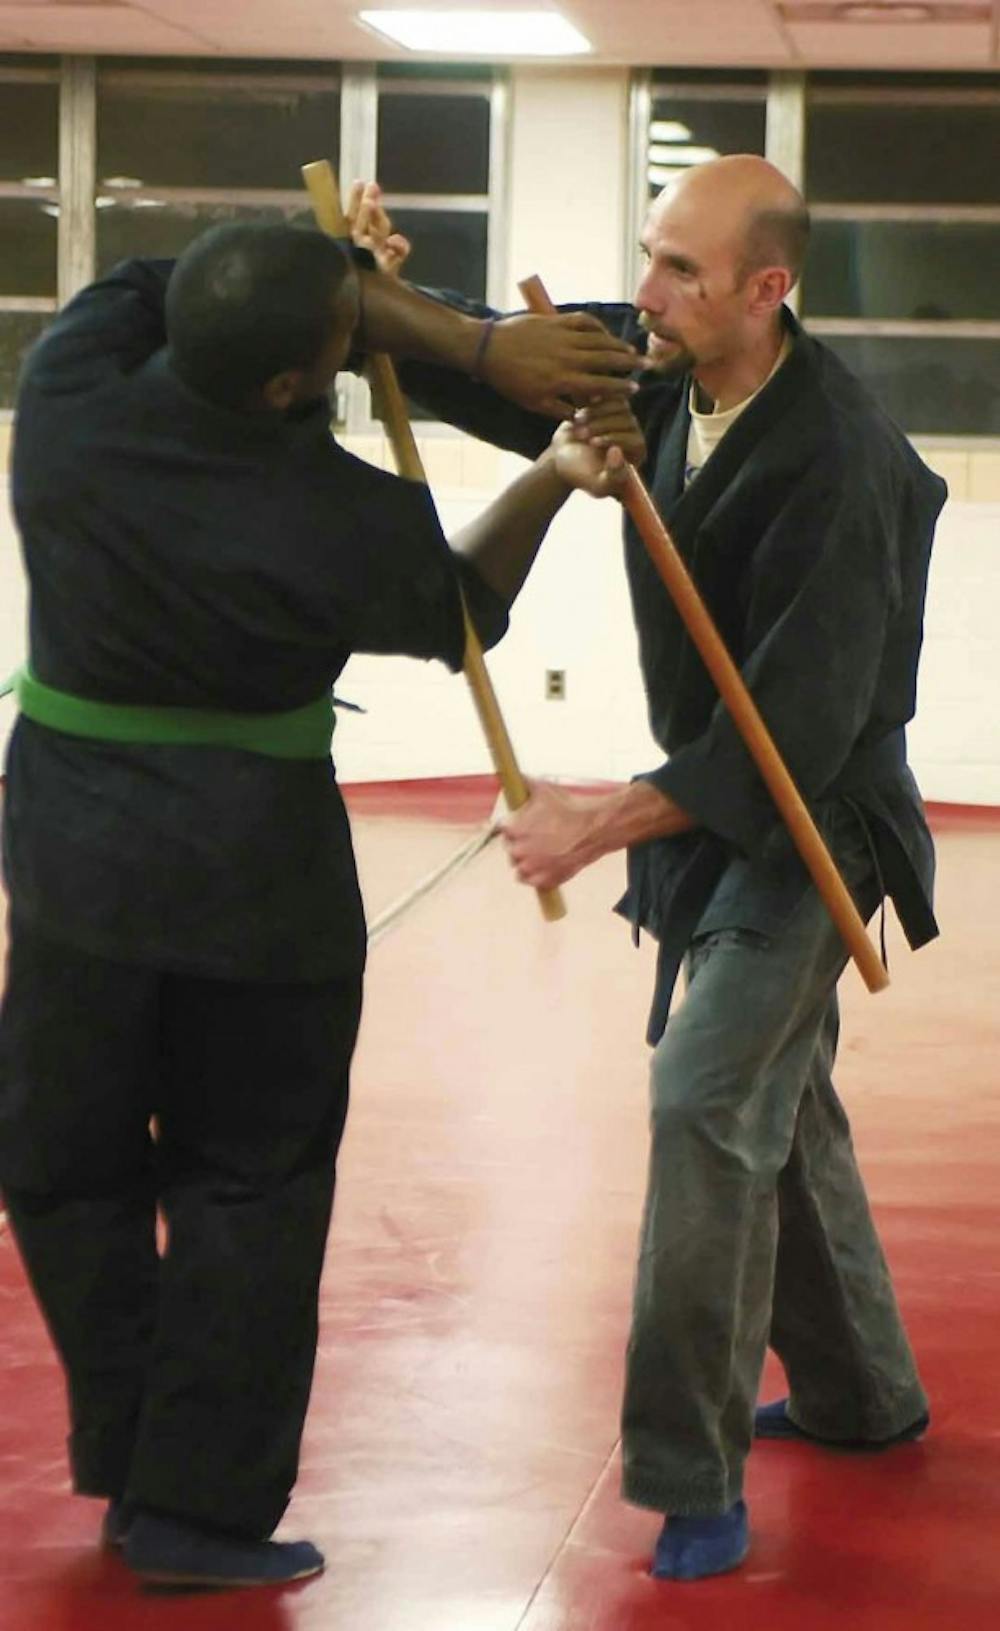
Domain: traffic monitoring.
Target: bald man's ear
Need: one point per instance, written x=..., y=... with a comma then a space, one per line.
x=768, y=289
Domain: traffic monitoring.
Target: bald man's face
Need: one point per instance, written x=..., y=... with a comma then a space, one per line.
x=690, y=296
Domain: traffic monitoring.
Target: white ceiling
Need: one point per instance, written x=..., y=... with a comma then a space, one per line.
x=954, y=34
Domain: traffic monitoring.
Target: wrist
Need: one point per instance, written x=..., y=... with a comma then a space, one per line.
x=550, y=486
x=404, y=322
x=468, y=344
x=596, y=824
x=547, y=463
x=592, y=842
x=477, y=368
x=631, y=814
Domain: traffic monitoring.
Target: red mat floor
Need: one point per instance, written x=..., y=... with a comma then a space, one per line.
x=460, y=1460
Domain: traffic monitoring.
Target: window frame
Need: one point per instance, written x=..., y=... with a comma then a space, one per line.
x=11, y=303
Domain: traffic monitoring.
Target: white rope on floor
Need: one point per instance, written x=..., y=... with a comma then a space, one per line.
x=387, y=919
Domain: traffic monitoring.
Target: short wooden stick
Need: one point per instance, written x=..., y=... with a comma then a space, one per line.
x=325, y=195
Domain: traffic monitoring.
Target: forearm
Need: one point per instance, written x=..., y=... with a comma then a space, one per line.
x=401, y=321
x=555, y=835
x=549, y=365
x=631, y=814
x=502, y=542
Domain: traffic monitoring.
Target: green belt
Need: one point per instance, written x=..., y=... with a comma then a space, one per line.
x=298, y=733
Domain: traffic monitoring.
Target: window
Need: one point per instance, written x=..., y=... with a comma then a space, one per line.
x=184, y=146
x=696, y=116
x=433, y=161
x=437, y=140
x=931, y=386
x=176, y=146
x=433, y=135
x=29, y=208
x=904, y=188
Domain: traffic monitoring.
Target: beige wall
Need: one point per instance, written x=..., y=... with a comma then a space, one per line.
x=569, y=133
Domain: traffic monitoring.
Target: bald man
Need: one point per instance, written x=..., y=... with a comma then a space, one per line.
x=807, y=520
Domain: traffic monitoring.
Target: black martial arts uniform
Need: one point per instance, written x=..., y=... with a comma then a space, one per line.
x=187, y=936
x=808, y=531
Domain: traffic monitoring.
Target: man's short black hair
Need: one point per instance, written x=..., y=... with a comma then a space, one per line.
x=246, y=302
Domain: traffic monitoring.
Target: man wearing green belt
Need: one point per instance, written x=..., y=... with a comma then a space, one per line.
x=186, y=933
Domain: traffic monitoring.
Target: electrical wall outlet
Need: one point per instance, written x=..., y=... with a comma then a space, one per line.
x=555, y=685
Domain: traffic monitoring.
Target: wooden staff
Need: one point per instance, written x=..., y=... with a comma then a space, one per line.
x=324, y=193
x=756, y=737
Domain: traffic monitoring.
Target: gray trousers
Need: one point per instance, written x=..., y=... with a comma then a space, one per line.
x=756, y=1227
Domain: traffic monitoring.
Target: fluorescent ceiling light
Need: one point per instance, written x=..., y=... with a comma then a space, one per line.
x=480, y=33
x=669, y=130
x=680, y=165
x=884, y=12
x=682, y=155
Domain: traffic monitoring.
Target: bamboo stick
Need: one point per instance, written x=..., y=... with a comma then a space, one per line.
x=324, y=193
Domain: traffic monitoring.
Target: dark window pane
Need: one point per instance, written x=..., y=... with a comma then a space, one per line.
x=28, y=238
x=665, y=78
x=125, y=232
x=22, y=59
x=681, y=125
x=240, y=132
x=449, y=252
x=434, y=71
x=18, y=332
x=433, y=144
x=903, y=269
x=29, y=119
x=449, y=249
x=898, y=154
x=930, y=387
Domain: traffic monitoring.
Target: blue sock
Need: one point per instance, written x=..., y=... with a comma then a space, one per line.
x=691, y=1548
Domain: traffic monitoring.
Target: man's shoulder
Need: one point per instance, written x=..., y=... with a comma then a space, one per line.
x=844, y=404
x=839, y=421
x=364, y=493
x=851, y=440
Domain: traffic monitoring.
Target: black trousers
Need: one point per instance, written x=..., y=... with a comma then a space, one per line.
x=188, y=1375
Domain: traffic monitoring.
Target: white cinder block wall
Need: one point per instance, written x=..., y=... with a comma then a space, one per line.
x=568, y=222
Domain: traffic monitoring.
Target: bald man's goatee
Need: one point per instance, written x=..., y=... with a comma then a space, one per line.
x=671, y=364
